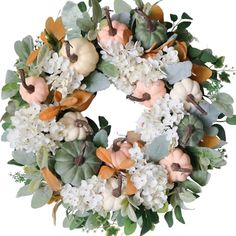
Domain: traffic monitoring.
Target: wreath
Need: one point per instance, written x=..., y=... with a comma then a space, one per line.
x=153, y=170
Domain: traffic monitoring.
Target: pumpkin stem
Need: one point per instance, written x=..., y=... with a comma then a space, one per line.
x=191, y=99
x=72, y=57
x=30, y=88
x=82, y=123
x=150, y=26
x=115, y=146
x=117, y=191
x=189, y=131
x=79, y=160
x=145, y=97
x=178, y=168
x=112, y=30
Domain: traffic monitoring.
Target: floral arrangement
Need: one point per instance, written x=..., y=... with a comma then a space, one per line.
x=153, y=170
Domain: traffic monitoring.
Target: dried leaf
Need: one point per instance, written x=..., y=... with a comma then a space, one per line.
x=44, y=38
x=130, y=188
x=54, y=198
x=200, y=73
x=51, y=179
x=133, y=137
x=103, y=155
x=106, y=172
x=210, y=141
x=57, y=96
x=49, y=113
x=54, y=211
x=156, y=13
x=69, y=102
x=55, y=28
x=182, y=49
x=32, y=56
x=126, y=164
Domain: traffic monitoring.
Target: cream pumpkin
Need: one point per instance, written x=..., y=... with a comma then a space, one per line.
x=178, y=165
x=34, y=90
x=112, y=203
x=76, y=126
x=82, y=55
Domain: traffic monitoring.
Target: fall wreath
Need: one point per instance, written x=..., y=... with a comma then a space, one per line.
x=153, y=170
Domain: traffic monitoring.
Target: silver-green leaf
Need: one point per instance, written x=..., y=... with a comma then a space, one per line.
x=101, y=138
x=23, y=157
x=108, y=68
x=121, y=6
x=41, y=197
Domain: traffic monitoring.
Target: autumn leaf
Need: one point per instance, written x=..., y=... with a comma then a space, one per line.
x=32, y=56
x=130, y=189
x=103, y=155
x=49, y=113
x=156, y=13
x=126, y=164
x=69, y=102
x=57, y=96
x=106, y=172
x=201, y=73
x=51, y=179
x=55, y=28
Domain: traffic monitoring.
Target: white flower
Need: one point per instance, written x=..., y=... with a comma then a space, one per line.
x=62, y=77
x=29, y=133
x=152, y=182
x=162, y=119
x=86, y=197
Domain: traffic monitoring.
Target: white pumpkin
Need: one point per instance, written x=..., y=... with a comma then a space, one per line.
x=112, y=203
x=185, y=90
x=76, y=126
x=82, y=55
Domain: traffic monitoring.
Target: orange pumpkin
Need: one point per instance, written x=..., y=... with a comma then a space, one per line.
x=148, y=95
x=115, y=31
x=178, y=165
x=33, y=89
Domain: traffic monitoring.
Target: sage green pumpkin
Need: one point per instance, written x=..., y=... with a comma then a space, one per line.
x=76, y=161
x=147, y=37
x=190, y=131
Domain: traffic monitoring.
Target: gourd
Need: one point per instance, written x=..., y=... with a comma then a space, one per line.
x=76, y=161
x=190, y=131
x=189, y=92
x=82, y=55
x=76, y=126
x=149, y=32
x=112, y=203
x=147, y=95
x=33, y=89
x=114, y=31
x=178, y=165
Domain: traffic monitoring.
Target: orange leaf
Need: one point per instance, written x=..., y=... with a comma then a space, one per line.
x=130, y=188
x=59, y=30
x=103, y=155
x=32, y=56
x=49, y=113
x=209, y=141
x=156, y=13
x=44, y=38
x=69, y=102
x=182, y=49
x=126, y=35
x=54, y=198
x=133, y=137
x=49, y=25
x=126, y=164
x=106, y=172
x=201, y=73
x=57, y=96
x=51, y=179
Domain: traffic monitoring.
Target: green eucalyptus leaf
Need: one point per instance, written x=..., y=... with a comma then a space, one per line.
x=92, y=222
x=41, y=197
x=192, y=186
x=183, y=25
x=158, y=149
x=42, y=157
x=121, y=6
x=43, y=54
x=13, y=162
x=82, y=6
x=173, y=17
x=96, y=81
x=169, y=218
x=212, y=131
x=11, y=77
x=108, y=68
x=68, y=220
x=207, y=56
x=129, y=226
x=97, y=12
x=227, y=109
x=35, y=184
x=131, y=213
x=123, y=17
x=10, y=90
x=92, y=35
x=23, y=157
x=139, y=4
x=221, y=132
x=103, y=122
x=224, y=98
x=178, y=214
x=187, y=196
x=164, y=209
x=231, y=120
x=201, y=177
x=85, y=23
x=185, y=16
x=24, y=191
x=101, y=138
x=194, y=52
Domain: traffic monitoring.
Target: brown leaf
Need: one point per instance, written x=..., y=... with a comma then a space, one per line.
x=130, y=189
x=156, y=13
x=52, y=181
x=133, y=137
x=182, y=49
x=49, y=113
x=57, y=96
x=55, y=28
x=106, y=172
x=69, y=102
x=103, y=155
x=201, y=73
x=54, y=198
x=209, y=141
x=32, y=56
x=126, y=164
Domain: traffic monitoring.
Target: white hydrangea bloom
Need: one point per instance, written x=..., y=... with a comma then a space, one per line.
x=132, y=67
x=152, y=182
x=162, y=119
x=29, y=133
x=86, y=197
x=62, y=76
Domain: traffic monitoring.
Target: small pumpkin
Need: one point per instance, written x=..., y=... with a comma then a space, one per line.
x=82, y=55
x=147, y=95
x=190, y=131
x=33, y=89
x=112, y=203
x=76, y=161
x=178, y=165
x=189, y=92
x=76, y=126
x=114, y=31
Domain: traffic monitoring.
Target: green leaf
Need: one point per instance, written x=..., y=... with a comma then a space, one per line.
x=103, y=122
x=221, y=132
x=194, y=52
x=43, y=53
x=129, y=226
x=93, y=125
x=201, y=177
x=231, y=120
x=82, y=6
x=192, y=186
x=10, y=90
x=164, y=209
x=92, y=35
x=85, y=23
x=178, y=214
x=11, y=77
x=34, y=184
x=93, y=222
x=13, y=162
x=207, y=56
x=97, y=12
x=186, y=16
x=131, y=213
x=42, y=157
x=173, y=17
x=169, y=218
x=225, y=77
x=101, y=138
x=226, y=109
x=121, y=6
x=139, y=4
x=220, y=63
x=24, y=191
x=23, y=157
x=108, y=68
x=96, y=81
x=147, y=223
x=224, y=98
x=41, y=197
x=158, y=149
x=187, y=196
x=120, y=220
x=183, y=25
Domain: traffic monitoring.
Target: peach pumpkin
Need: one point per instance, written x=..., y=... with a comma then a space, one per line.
x=178, y=165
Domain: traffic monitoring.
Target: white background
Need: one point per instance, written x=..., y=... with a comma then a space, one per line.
x=214, y=211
